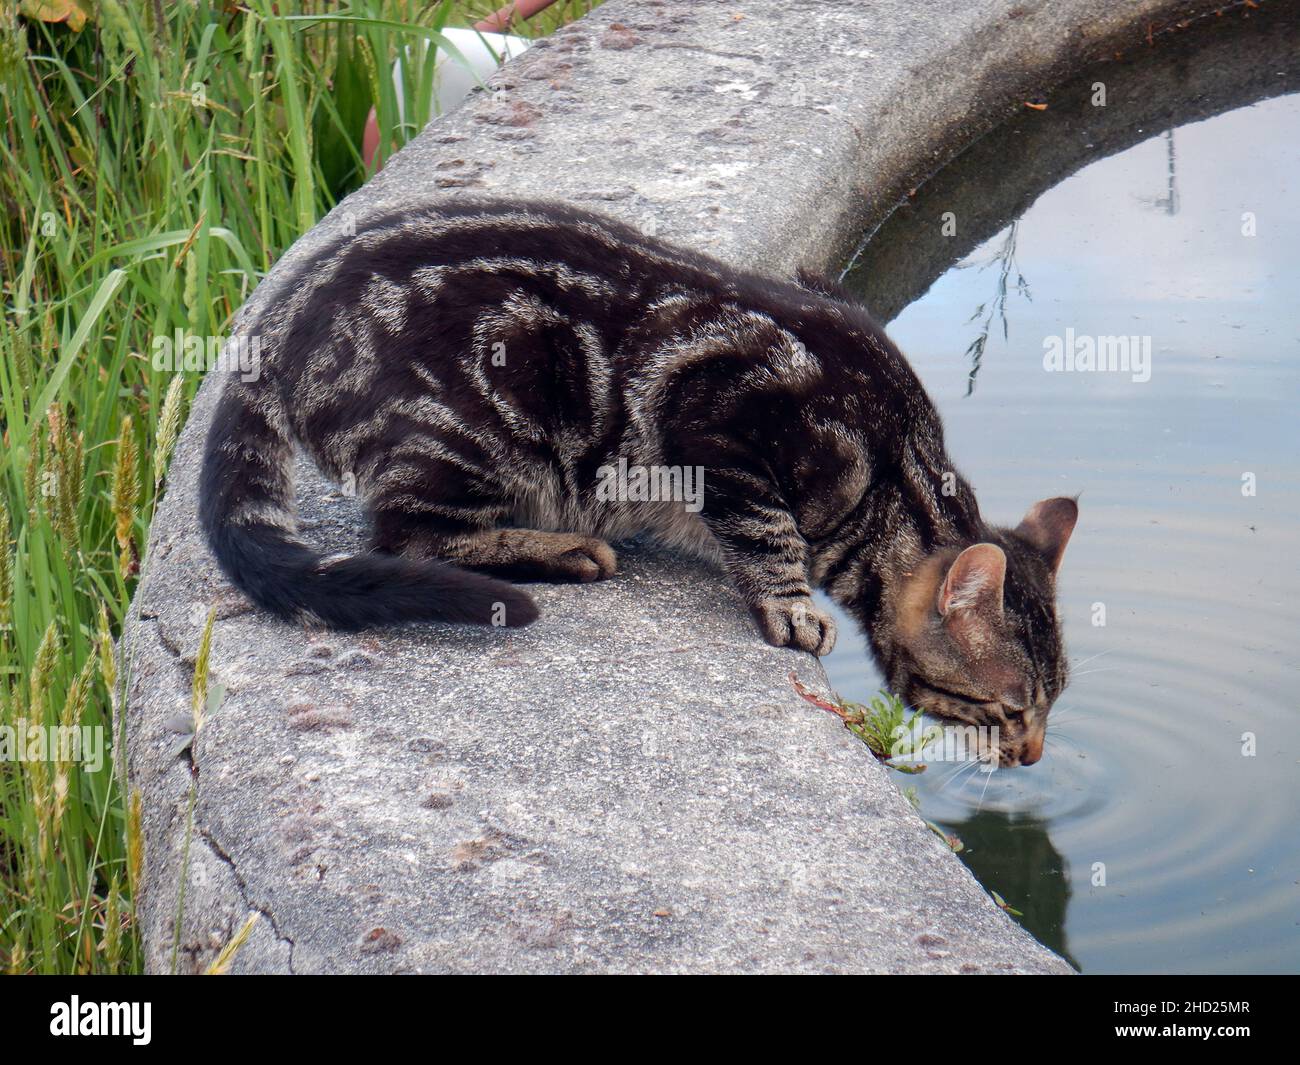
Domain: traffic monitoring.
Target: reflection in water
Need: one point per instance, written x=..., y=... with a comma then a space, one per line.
x=1171, y=783
x=1013, y=855
x=1216, y=68
x=1169, y=201
x=1005, y=260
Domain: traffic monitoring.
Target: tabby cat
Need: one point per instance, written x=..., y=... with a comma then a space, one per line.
x=474, y=368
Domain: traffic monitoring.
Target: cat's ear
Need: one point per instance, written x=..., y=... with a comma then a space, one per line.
x=1048, y=526
x=973, y=585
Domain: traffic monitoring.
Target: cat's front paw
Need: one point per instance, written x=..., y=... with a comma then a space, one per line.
x=795, y=623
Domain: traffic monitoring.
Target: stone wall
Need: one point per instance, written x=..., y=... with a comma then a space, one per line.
x=630, y=784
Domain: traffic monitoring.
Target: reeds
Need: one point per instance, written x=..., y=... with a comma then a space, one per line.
x=151, y=171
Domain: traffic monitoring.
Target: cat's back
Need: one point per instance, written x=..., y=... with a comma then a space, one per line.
x=455, y=269
x=480, y=241
x=468, y=255
x=421, y=298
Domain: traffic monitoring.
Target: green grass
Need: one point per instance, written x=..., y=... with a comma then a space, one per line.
x=887, y=728
x=884, y=725
x=155, y=161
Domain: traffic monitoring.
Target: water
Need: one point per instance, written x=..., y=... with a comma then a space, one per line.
x=1148, y=839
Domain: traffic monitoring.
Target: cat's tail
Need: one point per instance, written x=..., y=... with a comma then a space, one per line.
x=246, y=509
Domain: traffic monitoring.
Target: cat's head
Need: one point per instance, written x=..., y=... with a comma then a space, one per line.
x=975, y=635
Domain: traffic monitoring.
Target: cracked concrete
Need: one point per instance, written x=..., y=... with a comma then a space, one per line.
x=630, y=784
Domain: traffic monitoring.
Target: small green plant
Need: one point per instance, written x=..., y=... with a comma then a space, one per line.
x=953, y=842
x=884, y=725
x=887, y=728
x=1003, y=905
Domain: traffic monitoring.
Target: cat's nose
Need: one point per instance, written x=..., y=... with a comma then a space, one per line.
x=1032, y=750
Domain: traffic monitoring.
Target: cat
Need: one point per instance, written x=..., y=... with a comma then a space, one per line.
x=473, y=368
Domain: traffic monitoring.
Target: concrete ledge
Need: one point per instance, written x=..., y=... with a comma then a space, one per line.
x=630, y=784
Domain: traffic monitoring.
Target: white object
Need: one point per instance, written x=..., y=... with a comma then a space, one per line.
x=452, y=80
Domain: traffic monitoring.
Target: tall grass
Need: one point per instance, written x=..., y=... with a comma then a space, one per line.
x=156, y=160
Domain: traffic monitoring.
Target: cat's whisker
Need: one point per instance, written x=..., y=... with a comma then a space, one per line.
x=952, y=775
x=964, y=770
x=1074, y=708
x=1090, y=658
x=1086, y=672
x=1058, y=716
x=1063, y=742
x=980, y=805
x=1075, y=714
x=966, y=778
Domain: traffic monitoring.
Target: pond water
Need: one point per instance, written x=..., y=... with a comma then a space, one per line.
x=1160, y=831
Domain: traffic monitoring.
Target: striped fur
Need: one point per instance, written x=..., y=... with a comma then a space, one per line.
x=473, y=366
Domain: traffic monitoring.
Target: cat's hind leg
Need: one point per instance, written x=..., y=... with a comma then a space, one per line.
x=532, y=555
x=427, y=507
x=515, y=554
